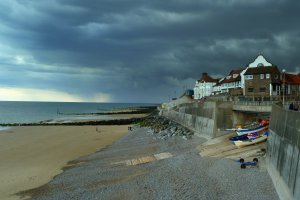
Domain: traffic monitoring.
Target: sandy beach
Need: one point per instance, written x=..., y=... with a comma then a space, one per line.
x=32, y=156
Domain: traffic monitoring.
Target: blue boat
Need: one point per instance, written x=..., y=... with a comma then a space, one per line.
x=252, y=130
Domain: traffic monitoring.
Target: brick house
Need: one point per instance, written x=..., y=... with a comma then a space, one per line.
x=262, y=81
x=258, y=62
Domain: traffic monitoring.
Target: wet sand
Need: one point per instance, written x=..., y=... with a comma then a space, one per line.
x=32, y=156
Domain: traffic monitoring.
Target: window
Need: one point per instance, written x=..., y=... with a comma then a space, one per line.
x=260, y=65
x=235, y=75
x=262, y=89
x=276, y=76
x=262, y=76
x=228, y=77
x=267, y=75
x=250, y=89
x=247, y=77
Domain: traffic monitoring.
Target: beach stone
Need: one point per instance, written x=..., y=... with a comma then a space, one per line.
x=163, y=127
x=190, y=133
x=173, y=129
x=179, y=132
x=189, y=137
x=164, y=137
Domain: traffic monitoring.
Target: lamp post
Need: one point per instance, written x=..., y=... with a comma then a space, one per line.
x=283, y=77
x=204, y=91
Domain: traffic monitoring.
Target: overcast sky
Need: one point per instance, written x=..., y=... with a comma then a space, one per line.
x=136, y=50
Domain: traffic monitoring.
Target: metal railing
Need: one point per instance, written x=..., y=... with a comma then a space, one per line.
x=254, y=103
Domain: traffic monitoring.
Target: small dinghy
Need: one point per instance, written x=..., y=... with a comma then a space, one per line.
x=252, y=130
x=240, y=137
x=252, y=139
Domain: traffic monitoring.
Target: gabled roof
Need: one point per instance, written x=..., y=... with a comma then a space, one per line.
x=231, y=79
x=260, y=61
x=236, y=71
x=262, y=70
x=291, y=79
x=206, y=78
x=220, y=82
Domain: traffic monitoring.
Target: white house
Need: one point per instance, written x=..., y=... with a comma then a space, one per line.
x=231, y=81
x=204, y=86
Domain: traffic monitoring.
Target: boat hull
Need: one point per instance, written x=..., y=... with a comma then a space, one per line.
x=250, y=131
x=241, y=143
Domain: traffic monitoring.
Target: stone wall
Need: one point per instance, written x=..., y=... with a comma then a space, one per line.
x=207, y=119
x=283, y=152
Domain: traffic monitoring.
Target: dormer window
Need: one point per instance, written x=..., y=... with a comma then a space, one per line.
x=228, y=77
x=235, y=75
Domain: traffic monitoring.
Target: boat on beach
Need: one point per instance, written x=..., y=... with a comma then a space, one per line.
x=252, y=130
x=252, y=139
x=239, y=137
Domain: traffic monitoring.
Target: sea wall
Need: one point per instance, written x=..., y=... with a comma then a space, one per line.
x=283, y=161
x=207, y=118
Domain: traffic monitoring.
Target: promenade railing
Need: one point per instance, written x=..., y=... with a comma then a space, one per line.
x=254, y=103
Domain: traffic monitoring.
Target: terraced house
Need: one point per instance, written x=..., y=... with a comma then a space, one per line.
x=262, y=81
x=258, y=79
x=231, y=84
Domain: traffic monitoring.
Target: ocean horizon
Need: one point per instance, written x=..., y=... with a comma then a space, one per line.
x=34, y=112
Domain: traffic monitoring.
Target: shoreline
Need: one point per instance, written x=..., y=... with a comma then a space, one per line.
x=32, y=156
x=117, y=119
x=130, y=111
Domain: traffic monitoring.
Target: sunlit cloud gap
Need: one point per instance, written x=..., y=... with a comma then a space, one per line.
x=32, y=94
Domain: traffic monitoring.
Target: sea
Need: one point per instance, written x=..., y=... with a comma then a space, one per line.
x=34, y=112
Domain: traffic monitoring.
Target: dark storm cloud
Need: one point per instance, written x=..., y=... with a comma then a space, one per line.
x=139, y=50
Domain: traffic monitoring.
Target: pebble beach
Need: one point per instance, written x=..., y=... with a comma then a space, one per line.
x=142, y=166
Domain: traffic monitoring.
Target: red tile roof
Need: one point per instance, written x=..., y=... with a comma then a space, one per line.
x=206, y=78
x=236, y=71
x=231, y=79
x=291, y=79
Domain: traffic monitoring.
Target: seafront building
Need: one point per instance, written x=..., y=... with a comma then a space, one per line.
x=258, y=79
x=262, y=81
x=231, y=83
x=291, y=83
x=259, y=61
x=204, y=86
